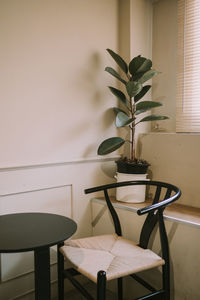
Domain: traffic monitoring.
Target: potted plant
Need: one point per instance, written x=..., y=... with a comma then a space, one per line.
x=135, y=74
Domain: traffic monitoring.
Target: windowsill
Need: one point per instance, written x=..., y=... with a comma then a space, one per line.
x=165, y=132
x=175, y=212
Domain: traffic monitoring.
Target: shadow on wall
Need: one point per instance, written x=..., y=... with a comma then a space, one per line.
x=90, y=79
x=90, y=86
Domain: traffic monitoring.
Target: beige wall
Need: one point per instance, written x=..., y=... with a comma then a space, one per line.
x=54, y=100
x=53, y=115
x=141, y=41
x=164, y=60
x=141, y=28
x=52, y=82
x=173, y=157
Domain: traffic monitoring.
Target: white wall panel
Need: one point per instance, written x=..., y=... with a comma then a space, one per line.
x=54, y=188
x=48, y=200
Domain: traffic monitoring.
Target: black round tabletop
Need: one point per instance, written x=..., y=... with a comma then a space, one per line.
x=30, y=231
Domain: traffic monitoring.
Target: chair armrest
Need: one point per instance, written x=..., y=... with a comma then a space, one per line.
x=120, y=184
x=159, y=205
x=100, y=188
x=147, y=209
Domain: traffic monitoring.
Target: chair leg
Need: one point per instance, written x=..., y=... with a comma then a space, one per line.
x=60, y=260
x=101, y=285
x=166, y=281
x=120, y=288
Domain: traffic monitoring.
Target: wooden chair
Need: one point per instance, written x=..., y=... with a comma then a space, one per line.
x=111, y=256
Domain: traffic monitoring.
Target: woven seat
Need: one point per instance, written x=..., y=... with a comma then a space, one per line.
x=112, y=257
x=114, y=254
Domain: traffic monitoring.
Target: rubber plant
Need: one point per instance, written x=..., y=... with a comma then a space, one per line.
x=134, y=76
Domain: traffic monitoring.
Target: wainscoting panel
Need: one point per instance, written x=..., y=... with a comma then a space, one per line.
x=55, y=199
x=53, y=188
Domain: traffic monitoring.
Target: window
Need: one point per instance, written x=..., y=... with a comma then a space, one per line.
x=188, y=67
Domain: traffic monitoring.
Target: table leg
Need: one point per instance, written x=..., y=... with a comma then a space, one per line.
x=42, y=274
x=60, y=260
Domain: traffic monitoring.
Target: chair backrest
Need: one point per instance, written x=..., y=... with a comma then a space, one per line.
x=162, y=195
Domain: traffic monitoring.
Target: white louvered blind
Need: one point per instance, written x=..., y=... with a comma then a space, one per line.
x=188, y=67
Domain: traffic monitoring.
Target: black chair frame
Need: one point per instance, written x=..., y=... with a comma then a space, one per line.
x=154, y=216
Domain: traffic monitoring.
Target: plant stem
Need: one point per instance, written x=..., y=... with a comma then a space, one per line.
x=132, y=129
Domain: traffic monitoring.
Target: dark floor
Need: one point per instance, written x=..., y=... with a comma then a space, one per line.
x=75, y=295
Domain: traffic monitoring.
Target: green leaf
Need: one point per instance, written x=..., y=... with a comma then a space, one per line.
x=119, y=95
x=142, y=93
x=136, y=63
x=133, y=88
x=122, y=120
x=110, y=145
x=119, y=60
x=139, y=65
x=117, y=110
x=154, y=118
x=148, y=75
x=146, y=66
x=146, y=105
x=115, y=74
x=137, y=76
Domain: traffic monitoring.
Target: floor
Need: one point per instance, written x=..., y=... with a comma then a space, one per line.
x=75, y=295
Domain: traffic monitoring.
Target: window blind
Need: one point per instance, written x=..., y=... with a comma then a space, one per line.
x=188, y=67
